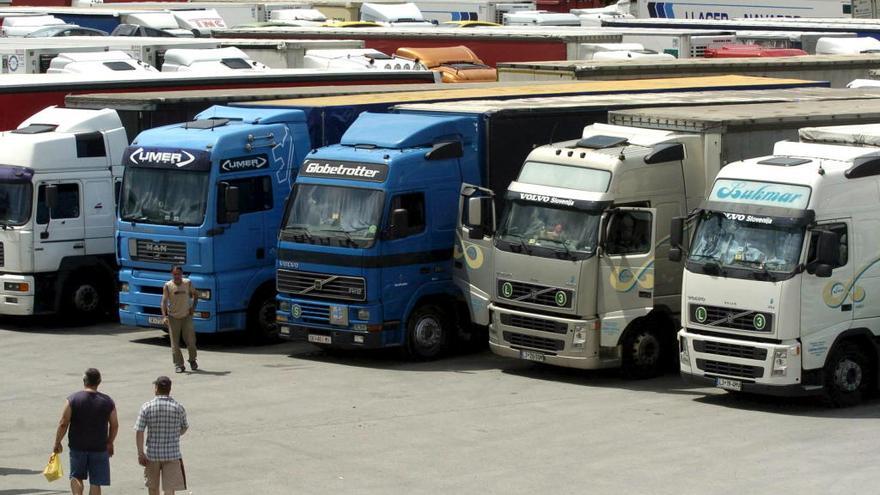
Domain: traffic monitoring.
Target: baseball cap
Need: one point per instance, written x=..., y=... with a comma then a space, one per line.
x=162, y=381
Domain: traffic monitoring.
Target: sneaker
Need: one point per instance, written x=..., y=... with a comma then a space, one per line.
x=194, y=365
x=179, y=369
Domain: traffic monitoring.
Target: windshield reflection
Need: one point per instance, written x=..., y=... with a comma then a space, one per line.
x=165, y=197
x=349, y=213
x=535, y=225
x=737, y=243
x=15, y=203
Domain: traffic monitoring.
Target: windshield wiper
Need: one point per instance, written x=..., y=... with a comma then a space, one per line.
x=764, y=274
x=561, y=243
x=522, y=242
x=348, y=238
x=305, y=230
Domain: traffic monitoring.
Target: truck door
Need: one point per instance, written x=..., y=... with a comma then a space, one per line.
x=626, y=274
x=63, y=233
x=473, y=269
x=243, y=241
x=400, y=279
x=831, y=303
x=99, y=213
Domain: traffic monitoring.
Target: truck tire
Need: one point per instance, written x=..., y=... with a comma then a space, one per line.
x=261, y=325
x=643, y=353
x=84, y=299
x=427, y=332
x=847, y=376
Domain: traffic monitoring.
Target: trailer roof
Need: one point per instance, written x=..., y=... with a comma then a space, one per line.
x=690, y=64
x=150, y=100
x=536, y=33
x=538, y=89
x=738, y=98
x=719, y=118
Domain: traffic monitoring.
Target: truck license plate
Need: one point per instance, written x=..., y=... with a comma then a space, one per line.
x=156, y=321
x=728, y=384
x=531, y=356
x=320, y=339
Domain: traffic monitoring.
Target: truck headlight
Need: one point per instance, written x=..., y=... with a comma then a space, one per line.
x=580, y=335
x=683, y=354
x=284, y=306
x=204, y=294
x=363, y=314
x=16, y=286
x=780, y=359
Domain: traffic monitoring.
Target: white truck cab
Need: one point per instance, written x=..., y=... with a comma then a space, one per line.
x=97, y=62
x=394, y=14
x=782, y=273
x=58, y=174
x=163, y=21
x=356, y=59
x=19, y=26
x=228, y=59
x=540, y=18
x=297, y=17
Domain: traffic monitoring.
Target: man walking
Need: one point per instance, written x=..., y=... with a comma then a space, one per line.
x=164, y=420
x=178, y=306
x=90, y=417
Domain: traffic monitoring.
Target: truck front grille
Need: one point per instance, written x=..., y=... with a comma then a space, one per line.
x=534, y=342
x=159, y=251
x=321, y=285
x=533, y=323
x=733, y=318
x=730, y=369
x=315, y=313
x=732, y=350
x=535, y=294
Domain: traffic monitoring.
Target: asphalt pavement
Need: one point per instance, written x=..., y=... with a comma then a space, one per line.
x=288, y=418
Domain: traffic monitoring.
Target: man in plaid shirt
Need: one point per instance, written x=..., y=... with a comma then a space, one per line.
x=164, y=420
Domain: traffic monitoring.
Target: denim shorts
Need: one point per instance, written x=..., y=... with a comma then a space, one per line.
x=92, y=466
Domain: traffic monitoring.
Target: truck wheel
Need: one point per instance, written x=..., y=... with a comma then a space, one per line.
x=643, y=352
x=83, y=299
x=847, y=376
x=427, y=332
x=261, y=325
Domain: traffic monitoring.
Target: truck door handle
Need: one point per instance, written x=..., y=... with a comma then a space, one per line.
x=645, y=294
x=846, y=307
x=78, y=246
x=458, y=264
x=261, y=253
x=425, y=270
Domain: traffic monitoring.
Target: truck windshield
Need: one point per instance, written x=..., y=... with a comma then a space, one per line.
x=165, y=197
x=15, y=202
x=570, y=231
x=349, y=215
x=739, y=241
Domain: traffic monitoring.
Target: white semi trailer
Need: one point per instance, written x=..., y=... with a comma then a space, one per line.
x=58, y=173
x=781, y=276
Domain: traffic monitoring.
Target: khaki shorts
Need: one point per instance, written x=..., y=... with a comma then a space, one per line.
x=172, y=475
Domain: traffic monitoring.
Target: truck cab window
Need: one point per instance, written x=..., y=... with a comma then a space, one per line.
x=414, y=204
x=630, y=233
x=840, y=230
x=254, y=193
x=68, y=203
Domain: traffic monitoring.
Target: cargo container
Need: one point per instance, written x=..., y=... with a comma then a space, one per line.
x=838, y=70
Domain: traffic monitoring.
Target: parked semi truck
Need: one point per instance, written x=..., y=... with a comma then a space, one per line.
x=57, y=179
x=365, y=256
x=731, y=9
x=576, y=271
x=781, y=276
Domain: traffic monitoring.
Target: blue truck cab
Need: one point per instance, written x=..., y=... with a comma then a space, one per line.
x=208, y=195
x=366, y=244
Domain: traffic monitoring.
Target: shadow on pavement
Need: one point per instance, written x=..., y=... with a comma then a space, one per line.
x=455, y=362
x=4, y=471
x=670, y=383
x=32, y=491
x=792, y=406
x=59, y=324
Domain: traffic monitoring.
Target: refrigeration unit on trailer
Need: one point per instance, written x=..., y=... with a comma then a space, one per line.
x=210, y=60
x=619, y=51
x=781, y=274
x=97, y=62
x=540, y=18
x=356, y=59
x=57, y=181
x=367, y=250
x=687, y=43
x=576, y=272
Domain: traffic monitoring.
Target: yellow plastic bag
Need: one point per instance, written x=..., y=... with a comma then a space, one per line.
x=53, y=468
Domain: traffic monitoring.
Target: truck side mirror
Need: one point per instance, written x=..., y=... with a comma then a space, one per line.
x=51, y=192
x=399, y=223
x=230, y=203
x=676, y=237
x=827, y=253
x=476, y=224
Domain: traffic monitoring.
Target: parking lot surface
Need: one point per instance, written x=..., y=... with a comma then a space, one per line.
x=288, y=418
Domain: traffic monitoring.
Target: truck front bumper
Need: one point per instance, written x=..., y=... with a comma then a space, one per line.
x=17, y=302
x=341, y=325
x=571, y=343
x=743, y=365
x=140, y=296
